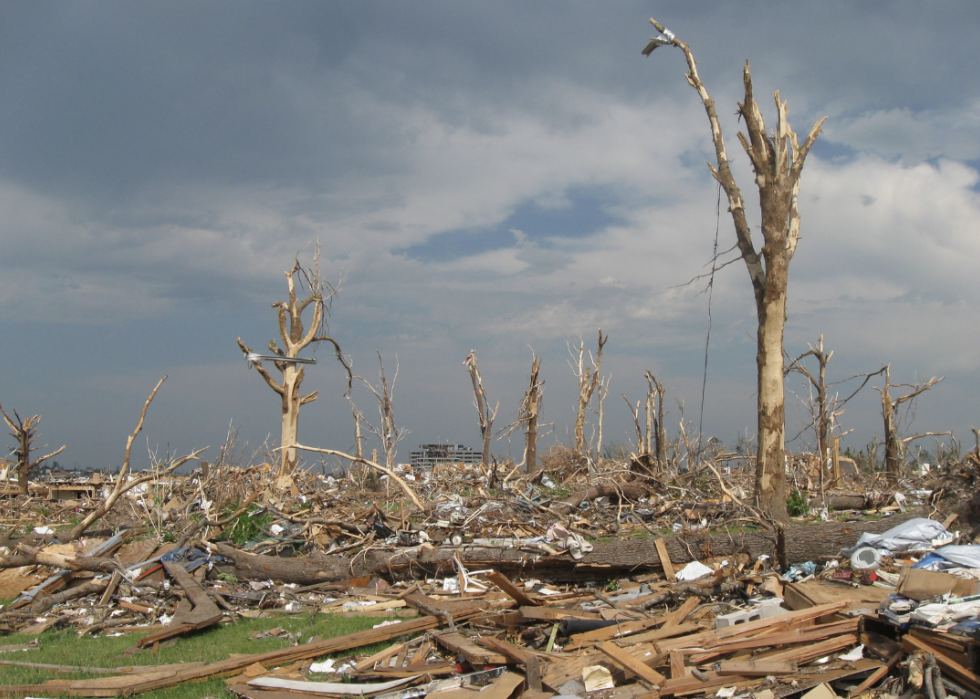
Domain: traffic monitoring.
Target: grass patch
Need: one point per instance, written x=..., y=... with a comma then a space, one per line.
x=210, y=645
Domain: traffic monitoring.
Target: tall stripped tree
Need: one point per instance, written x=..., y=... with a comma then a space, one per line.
x=777, y=160
x=296, y=337
x=894, y=443
x=487, y=416
x=529, y=410
x=588, y=381
x=24, y=431
x=651, y=444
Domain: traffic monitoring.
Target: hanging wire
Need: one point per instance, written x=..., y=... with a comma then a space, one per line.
x=711, y=286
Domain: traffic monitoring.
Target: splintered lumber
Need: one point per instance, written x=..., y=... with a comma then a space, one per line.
x=110, y=589
x=609, y=632
x=960, y=674
x=682, y=685
x=677, y=665
x=504, y=583
x=465, y=649
x=757, y=668
x=558, y=673
x=515, y=653
x=813, y=651
x=657, y=634
x=791, y=637
x=552, y=614
x=198, y=611
x=501, y=688
x=675, y=618
x=59, y=579
x=708, y=640
x=878, y=675
x=665, y=560
x=165, y=676
x=373, y=660
x=631, y=664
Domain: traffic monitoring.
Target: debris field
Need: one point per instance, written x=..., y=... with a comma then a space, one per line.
x=591, y=582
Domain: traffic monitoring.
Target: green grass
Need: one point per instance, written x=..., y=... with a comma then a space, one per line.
x=210, y=645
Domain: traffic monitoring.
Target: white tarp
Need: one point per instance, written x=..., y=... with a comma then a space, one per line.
x=916, y=533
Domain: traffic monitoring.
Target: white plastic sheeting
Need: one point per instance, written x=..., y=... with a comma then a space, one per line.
x=916, y=533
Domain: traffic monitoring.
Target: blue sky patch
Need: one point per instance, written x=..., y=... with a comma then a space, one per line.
x=585, y=214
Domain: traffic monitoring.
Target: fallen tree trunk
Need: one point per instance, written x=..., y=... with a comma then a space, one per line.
x=631, y=491
x=30, y=556
x=804, y=543
x=853, y=501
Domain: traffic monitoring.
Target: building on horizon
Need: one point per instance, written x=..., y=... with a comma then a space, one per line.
x=428, y=455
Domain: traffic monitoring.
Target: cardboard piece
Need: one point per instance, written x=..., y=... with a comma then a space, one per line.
x=920, y=584
x=821, y=691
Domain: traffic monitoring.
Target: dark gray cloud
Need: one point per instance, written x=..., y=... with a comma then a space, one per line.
x=488, y=175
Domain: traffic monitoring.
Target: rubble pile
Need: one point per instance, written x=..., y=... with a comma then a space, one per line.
x=590, y=582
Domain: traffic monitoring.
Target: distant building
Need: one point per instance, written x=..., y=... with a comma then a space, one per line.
x=428, y=455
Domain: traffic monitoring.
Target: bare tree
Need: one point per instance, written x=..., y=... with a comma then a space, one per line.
x=295, y=338
x=387, y=432
x=588, y=381
x=822, y=418
x=777, y=160
x=894, y=444
x=26, y=434
x=123, y=482
x=530, y=408
x=651, y=441
x=487, y=416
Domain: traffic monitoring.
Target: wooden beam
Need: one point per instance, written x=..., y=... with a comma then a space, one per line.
x=627, y=662
x=504, y=583
x=665, y=560
x=878, y=675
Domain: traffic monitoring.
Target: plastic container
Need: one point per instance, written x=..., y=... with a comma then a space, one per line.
x=865, y=558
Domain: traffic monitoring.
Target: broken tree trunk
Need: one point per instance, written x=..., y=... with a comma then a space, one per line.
x=777, y=159
x=630, y=491
x=803, y=543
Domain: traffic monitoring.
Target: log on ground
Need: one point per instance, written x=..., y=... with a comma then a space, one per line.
x=804, y=543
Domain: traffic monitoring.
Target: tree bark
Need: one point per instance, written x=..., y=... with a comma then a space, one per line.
x=777, y=160
x=531, y=436
x=631, y=491
x=770, y=473
x=803, y=543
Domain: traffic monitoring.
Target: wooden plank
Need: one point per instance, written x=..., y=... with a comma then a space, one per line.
x=658, y=634
x=794, y=636
x=504, y=583
x=226, y=668
x=553, y=614
x=813, y=651
x=579, y=640
x=469, y=651
x=515, y=653
x=665, y=560
x=110, y=589
x=709, y=639
x=559, y=673
x=677, y=667
x=693, y=684
x=626, y=661
x=757, y=668
x=369, y=662
x=878, y=675
x=676, y=618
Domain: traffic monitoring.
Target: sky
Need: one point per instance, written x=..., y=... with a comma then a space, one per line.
x=503, y=177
